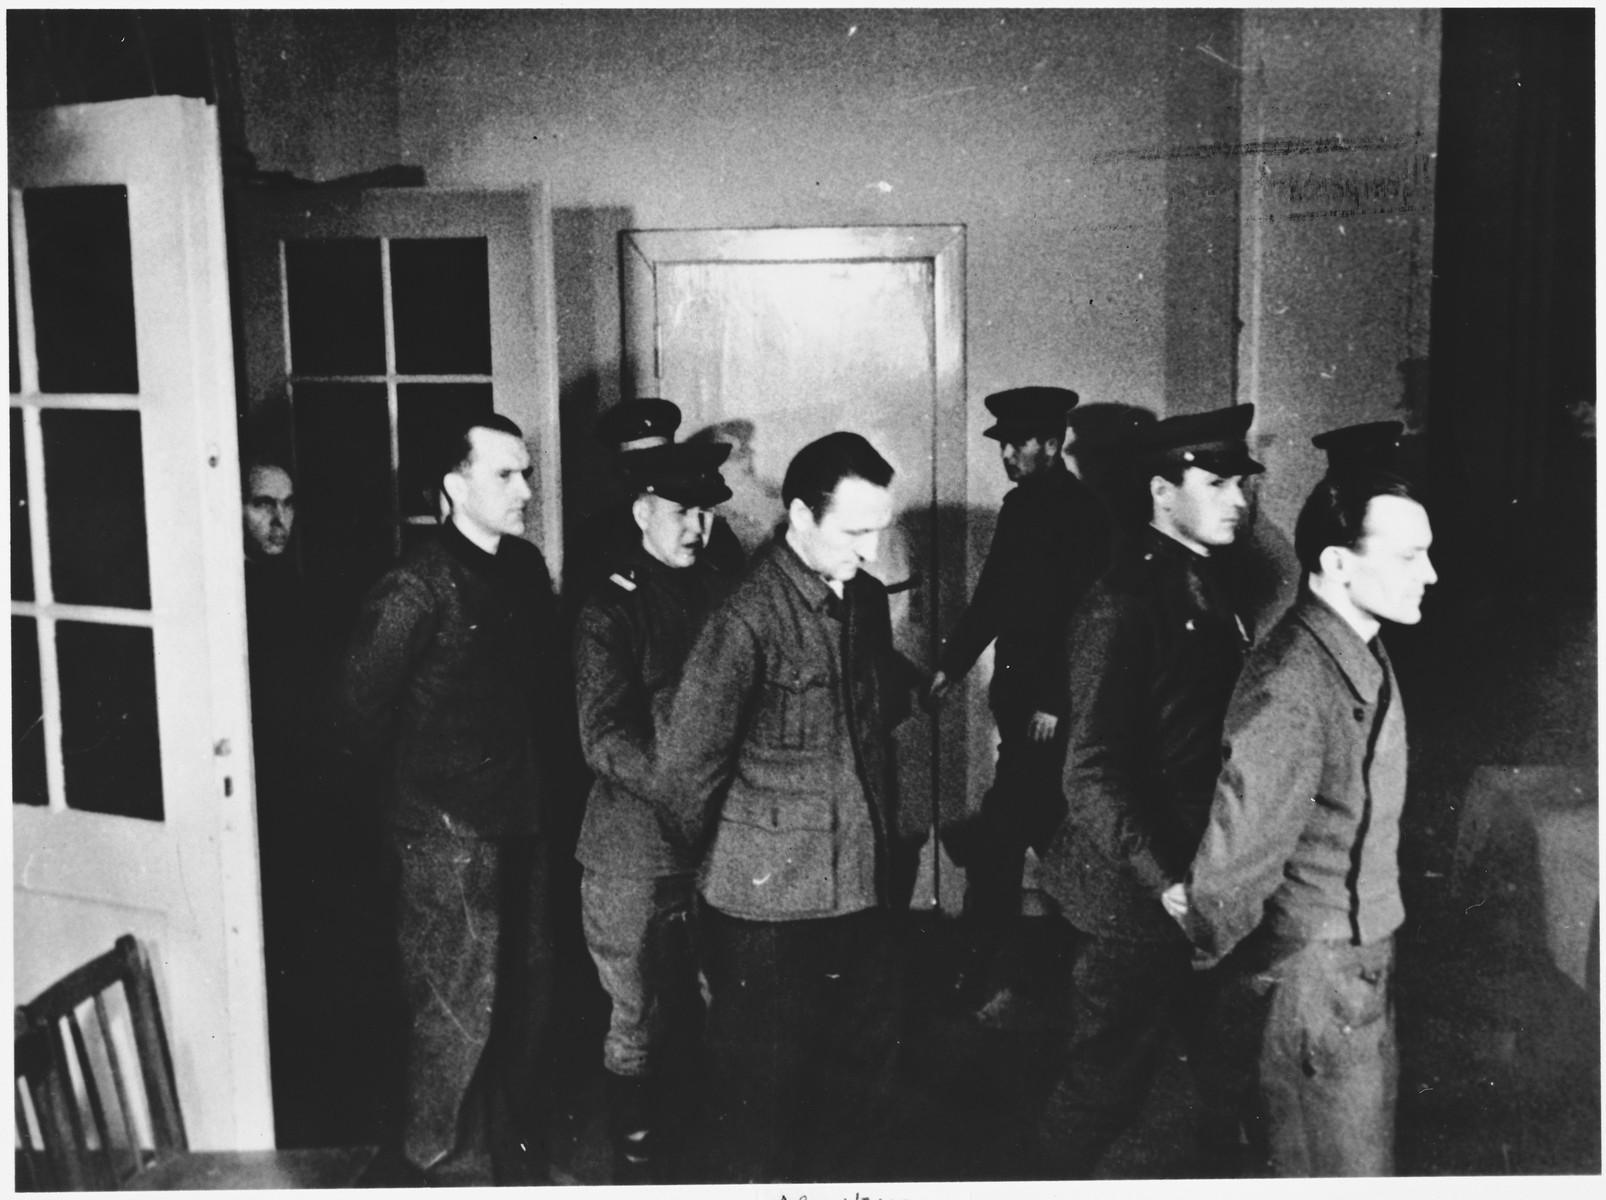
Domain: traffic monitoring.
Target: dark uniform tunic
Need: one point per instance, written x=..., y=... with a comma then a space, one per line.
x=1052, y=541
x=638, y=892
x=1154, y=652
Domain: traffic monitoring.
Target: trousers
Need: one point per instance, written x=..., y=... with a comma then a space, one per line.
x=640, y=935
x=475, y=949
x=1321, y=1021
x=802, y=1042
x=1129, y=997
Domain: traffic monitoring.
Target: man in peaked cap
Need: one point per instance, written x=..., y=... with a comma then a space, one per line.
x=1372, y=446
x=1051, y=543
x=633, y=430
x=1154, y=651
x=637, y=890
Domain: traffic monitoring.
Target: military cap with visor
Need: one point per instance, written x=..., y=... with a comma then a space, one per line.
x=684, y=472
x=1212, y=441
x=1370, y=446
x=639, y=424
x=1027, y=412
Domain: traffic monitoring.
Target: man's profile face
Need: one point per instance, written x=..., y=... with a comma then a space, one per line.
x=1206, y=509
x=488, y=495
x=1028, y=456
x=1390, y=569
x=270, y=512
x=672, y=533
x=848, y=535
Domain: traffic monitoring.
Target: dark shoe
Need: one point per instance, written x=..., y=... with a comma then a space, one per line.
x=630, y=1129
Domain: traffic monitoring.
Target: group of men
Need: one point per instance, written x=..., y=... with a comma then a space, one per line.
x=1219, y=822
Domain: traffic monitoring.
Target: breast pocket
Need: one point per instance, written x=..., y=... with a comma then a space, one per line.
x=797, y=709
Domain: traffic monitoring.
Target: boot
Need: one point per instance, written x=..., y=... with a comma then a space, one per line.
x=630, y=1129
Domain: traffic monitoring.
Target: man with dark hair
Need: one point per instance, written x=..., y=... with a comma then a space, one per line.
x=1297, y=875
x=638, y=891
x=1154, y=651
x=1052, y=542
x=777, y=766
x=450, y=675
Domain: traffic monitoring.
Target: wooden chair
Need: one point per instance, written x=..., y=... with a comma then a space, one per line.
x=97, y=1108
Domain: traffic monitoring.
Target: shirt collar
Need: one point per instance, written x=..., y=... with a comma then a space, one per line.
x=817, y=594
x=465, y=551
x=1363, y=669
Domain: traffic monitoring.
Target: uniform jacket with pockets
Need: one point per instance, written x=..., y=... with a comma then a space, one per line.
x=752, y=767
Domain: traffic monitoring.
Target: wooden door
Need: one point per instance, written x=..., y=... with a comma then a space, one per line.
x=373, y=320
x=770, y=338
x=133, y=794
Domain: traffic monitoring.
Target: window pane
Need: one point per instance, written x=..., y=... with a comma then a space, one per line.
x=109, y=744
x=442, y=300
x=83, y=288
x=21, y=536
x=95, y=507
x=343, y=492
x=337, y=315
x=427, y=415
x=27, y=724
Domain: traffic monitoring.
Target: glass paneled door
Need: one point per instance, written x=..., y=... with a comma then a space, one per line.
x=375, y=321
x=131, y=743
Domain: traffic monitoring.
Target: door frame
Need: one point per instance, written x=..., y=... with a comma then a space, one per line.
x=643, y=251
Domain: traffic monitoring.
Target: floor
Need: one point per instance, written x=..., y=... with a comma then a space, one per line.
x=1511, y=1087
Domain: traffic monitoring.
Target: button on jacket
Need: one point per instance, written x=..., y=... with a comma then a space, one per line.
x=1304, y=834
x=777, y=771
x=1051, y=543
x=454, y=663
x=1154, y=651
x=630, y=643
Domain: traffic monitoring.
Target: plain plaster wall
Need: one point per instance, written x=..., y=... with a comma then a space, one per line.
x=1128, y=232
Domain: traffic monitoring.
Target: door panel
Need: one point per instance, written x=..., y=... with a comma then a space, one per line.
x=132, y=604
x=772, y=338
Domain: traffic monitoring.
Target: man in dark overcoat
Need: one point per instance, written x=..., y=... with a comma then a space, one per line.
x=1051, y=543
x=1154, y=652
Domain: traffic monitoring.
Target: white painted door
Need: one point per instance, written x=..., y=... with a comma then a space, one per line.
x=775, y=337
x=133, y=804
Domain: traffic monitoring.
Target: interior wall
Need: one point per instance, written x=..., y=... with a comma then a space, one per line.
x=1121, y=238
x=1340, y=135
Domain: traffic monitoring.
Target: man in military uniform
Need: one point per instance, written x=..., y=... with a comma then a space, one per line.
x=638, y=890
x=1051, y=543
x=632, y=431
x=1154, y=652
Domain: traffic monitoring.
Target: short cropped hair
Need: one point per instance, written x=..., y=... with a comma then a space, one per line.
x=458, y=452
x=817, y=469
x=1335, y=512
x=254, y=464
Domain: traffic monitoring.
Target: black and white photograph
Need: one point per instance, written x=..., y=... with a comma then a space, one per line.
x=868, y=602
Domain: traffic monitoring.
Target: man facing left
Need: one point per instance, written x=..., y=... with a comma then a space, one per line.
x=449, y=676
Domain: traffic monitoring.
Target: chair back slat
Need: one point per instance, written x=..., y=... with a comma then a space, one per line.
x=150, y=1038
x=114, y=1063
x=91, y=1086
